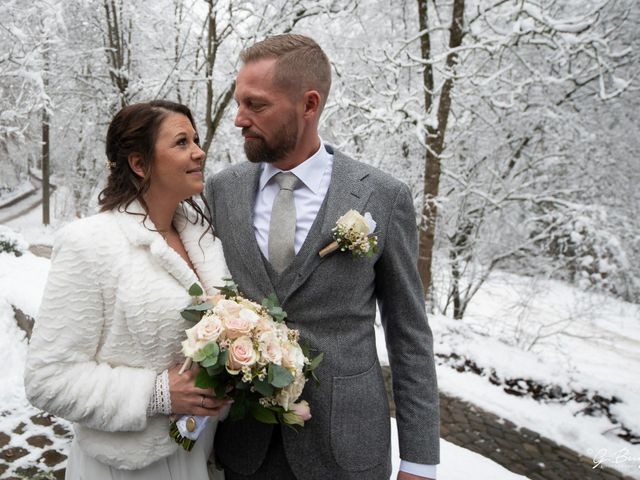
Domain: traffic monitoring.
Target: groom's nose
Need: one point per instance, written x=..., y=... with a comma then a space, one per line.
x=242, y=120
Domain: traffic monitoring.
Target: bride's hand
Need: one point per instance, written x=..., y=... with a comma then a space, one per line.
x=188, y=399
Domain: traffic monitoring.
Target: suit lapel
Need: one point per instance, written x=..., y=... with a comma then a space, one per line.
x=346, y=191
x=240, y=213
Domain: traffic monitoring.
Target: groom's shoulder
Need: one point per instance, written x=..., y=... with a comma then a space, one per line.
x=380, y=180
x=225, y=175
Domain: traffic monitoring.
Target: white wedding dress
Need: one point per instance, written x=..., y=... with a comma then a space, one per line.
x=181, y=465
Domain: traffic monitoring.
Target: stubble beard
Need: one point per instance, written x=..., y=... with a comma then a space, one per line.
x=258, y=150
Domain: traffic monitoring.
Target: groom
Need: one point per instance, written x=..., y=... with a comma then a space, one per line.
x=273, y=215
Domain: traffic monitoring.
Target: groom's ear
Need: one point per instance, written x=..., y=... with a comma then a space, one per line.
x=311, y=103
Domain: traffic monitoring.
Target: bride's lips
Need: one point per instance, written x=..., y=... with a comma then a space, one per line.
x=195, y=171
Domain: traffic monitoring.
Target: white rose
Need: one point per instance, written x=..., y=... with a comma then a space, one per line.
x=292, y=357
x=241, y=354
x=354, y=221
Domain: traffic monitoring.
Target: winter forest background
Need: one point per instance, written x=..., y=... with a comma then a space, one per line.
x=513, y=121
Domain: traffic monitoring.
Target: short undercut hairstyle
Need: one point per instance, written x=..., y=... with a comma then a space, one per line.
x=301, y=65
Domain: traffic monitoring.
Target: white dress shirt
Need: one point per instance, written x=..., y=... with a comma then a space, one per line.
x=315, y=175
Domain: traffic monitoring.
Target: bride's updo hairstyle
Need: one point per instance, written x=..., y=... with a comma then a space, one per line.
x=134, y=129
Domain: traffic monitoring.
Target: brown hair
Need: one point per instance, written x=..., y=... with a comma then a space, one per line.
x=301, y=64
x=134, y=129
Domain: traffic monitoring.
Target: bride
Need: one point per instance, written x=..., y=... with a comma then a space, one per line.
x=105, y=350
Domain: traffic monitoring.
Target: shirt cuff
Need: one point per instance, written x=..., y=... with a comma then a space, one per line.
x=419, y=469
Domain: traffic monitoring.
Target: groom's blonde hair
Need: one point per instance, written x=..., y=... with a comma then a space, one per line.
x=301, y=64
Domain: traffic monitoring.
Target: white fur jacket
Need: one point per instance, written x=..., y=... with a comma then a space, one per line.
x=109, y=322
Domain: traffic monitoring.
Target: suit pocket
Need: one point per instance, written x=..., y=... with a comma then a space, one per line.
x=360, y=431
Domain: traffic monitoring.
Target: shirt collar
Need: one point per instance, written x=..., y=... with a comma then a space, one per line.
x=309, y=172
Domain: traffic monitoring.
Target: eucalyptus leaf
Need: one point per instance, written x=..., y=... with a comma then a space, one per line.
x=211, y=349
x=191, y=315
x=195, y=290
x=313, y=364
x=199, y=356
x=279, y=376
x=229, y=289
x=200, y=307
x=263, y=388
x=210, y=361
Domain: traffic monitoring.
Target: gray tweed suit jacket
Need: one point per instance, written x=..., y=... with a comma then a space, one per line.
x=332, y=302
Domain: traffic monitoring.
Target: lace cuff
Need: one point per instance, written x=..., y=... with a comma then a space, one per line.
x=160, y=402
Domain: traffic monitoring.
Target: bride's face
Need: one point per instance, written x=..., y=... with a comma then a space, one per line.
x=177, y=159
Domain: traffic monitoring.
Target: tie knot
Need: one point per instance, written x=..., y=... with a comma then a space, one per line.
x=287, y=180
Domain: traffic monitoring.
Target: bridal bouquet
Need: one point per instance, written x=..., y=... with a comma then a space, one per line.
x=246, y=352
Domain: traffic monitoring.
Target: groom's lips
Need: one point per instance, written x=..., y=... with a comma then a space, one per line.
x=249, y=135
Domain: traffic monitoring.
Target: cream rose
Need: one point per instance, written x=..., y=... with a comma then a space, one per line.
x=264, y=325
x=270, y=348
x=289, y=394
x=292, y=357
x=240, y=324
x=227, y=308
x=241, y=354
x=205, y=331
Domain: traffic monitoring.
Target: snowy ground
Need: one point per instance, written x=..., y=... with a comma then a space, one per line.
x=554, y=334
x=21, y=284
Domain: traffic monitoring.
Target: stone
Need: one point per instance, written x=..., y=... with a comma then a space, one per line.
x=19, y=430
x=3, y=468
x=13, y=453
x=27, y=472
x=52, y=457
x=39, y=441
x=532, y=449
x=24, y=321
x=61, y=431
x=43, y=419
x=4, y=440
x=59, y=474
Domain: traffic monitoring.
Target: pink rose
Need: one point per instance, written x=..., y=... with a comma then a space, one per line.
x=241, y=354
x=302, y=410
x=298, y=414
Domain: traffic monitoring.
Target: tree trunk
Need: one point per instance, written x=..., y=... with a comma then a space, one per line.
x=46, y=219
x=435, y=136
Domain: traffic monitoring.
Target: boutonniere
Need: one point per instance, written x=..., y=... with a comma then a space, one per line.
x=353, y=232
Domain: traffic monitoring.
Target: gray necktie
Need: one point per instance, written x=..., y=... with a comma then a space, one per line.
x=282, y=229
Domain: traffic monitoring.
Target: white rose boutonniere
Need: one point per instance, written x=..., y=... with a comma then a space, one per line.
x=353, y=232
